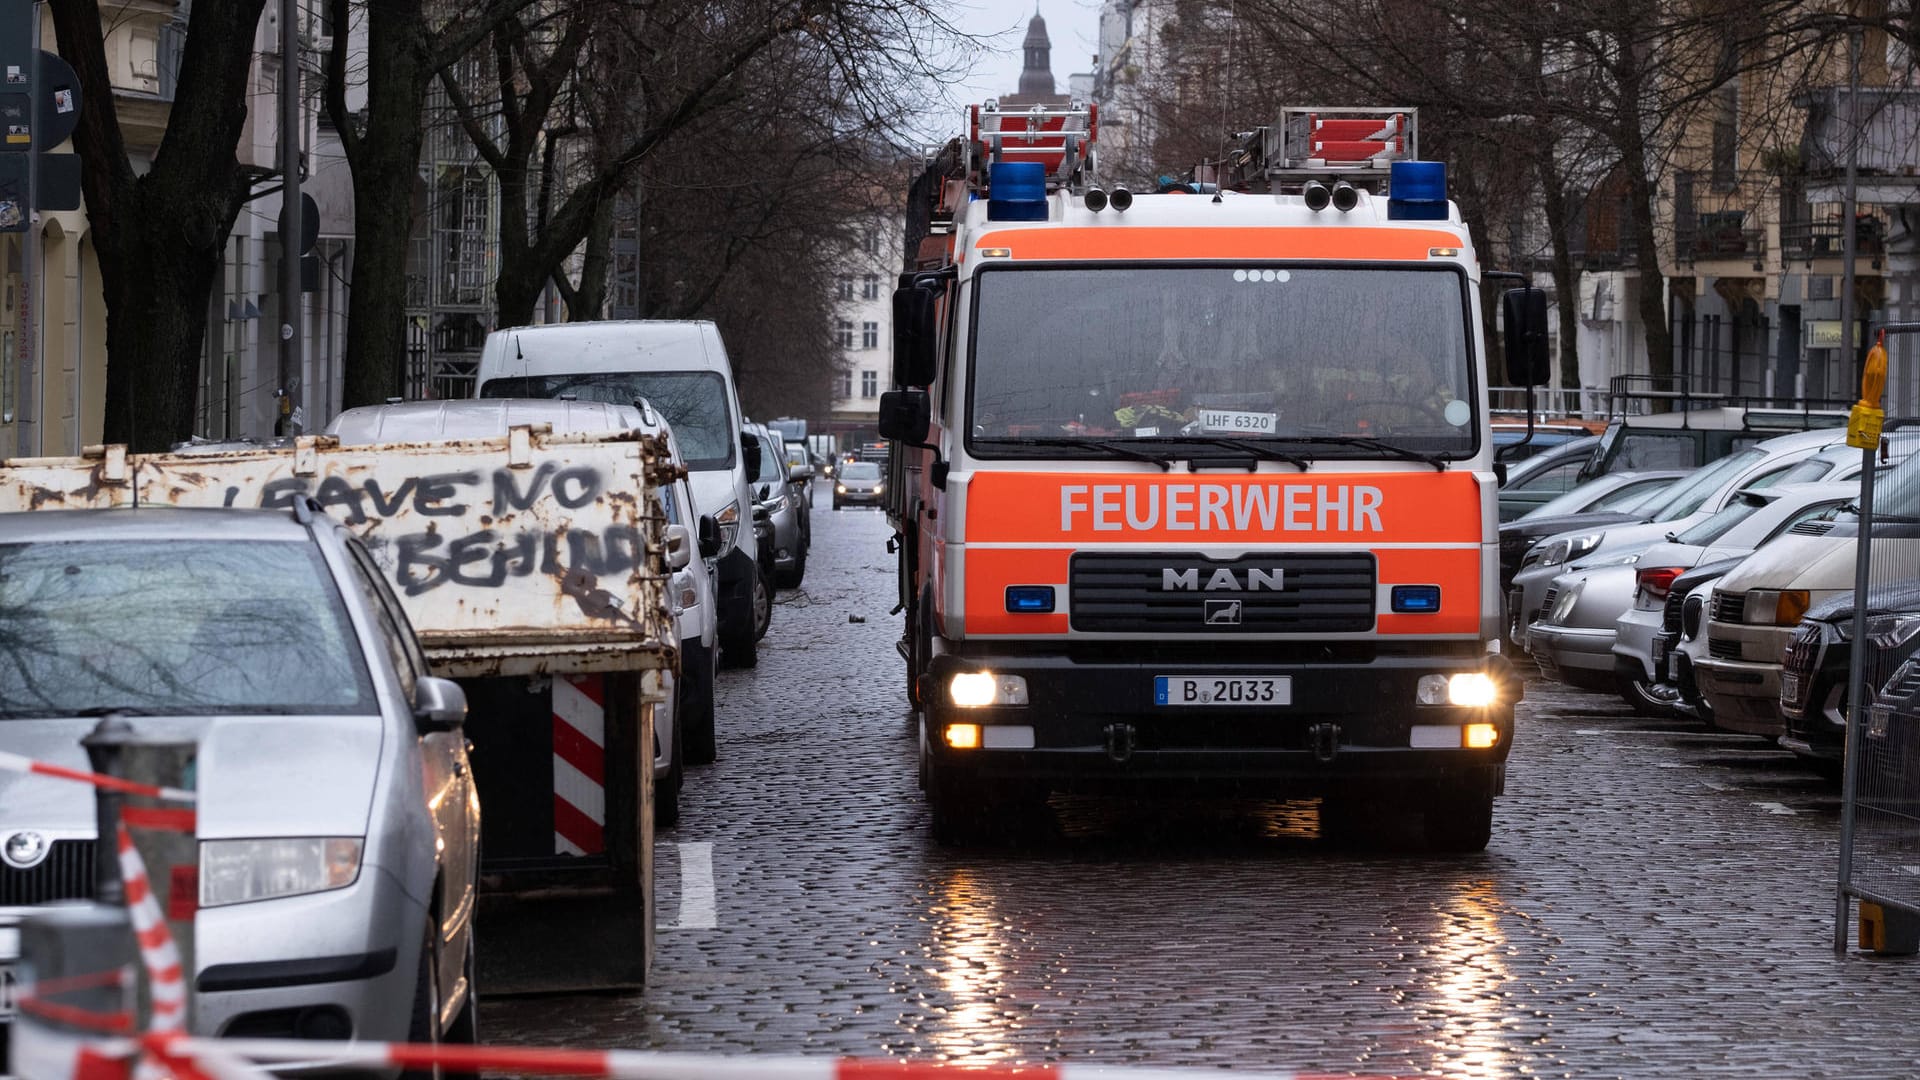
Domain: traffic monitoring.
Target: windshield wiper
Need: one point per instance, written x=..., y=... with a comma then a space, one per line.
x=1368, y=442
x=1117, y=449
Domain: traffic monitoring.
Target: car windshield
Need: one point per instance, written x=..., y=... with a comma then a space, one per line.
x=1606, y=493
x=1896, y=492
x=1716, y=526
x=1240, y=352
x=1688, y=495
x=694, y=403
x=1814, y=468
x=860, y=470
x=186, y=627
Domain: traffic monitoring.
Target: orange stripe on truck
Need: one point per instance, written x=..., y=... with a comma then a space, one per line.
x=1217, y=244
x=1353, y=509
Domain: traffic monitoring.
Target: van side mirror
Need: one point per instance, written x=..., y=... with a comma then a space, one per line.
x=1523, y=330
x=750, y=454
x=710, y=536
x=905, y=416
x=915, y=336
x=799, y=472
x=438, y=705
x=679, y=547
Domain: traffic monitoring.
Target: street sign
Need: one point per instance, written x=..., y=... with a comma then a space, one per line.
x=1825, y=334
x=59, y=94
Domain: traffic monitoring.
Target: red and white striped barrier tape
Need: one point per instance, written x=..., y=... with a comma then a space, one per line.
x=246, y=1059
x=19, y=764
x=158, y=951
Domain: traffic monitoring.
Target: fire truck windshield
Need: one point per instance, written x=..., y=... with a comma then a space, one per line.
x=1345, y=358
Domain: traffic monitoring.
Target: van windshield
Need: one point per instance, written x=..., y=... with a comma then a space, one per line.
x=694, y=403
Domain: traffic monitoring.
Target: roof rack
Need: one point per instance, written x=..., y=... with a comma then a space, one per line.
x=1058, y=136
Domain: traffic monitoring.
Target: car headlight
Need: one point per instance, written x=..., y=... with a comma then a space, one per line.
x=978, y=689
x=840, y=488
x=1892, y=631
x=1563, y=607
x=878, y=488
x=1775, y=607
x=1569, y=548
x=238, y=871
x=729, y=522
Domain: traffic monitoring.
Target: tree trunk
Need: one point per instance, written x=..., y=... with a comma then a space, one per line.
x=1566, y=284
x=386, y=167
x=590, y=299
x=1630, y=136
x=162, y=237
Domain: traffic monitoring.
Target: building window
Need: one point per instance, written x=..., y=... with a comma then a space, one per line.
x=869, y=384
x=873, y=242
x=843, y=333
x=846, y=384
x=870, y=287
x=869, y=335
x=843, y=289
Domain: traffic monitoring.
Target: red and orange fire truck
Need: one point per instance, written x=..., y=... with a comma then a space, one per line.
x=1196, y=488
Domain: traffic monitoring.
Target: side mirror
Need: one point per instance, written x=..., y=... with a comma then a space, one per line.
x=800, y=472
x=750, y=454
x=1523, y=329
x=905, y=416
x=710, y=537
x=679, y=547
x=916, y=332
x=438, y=705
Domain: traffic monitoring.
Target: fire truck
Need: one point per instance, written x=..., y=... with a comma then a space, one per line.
x=1194, y=490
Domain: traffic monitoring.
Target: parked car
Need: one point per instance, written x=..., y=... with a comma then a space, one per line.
x=1541, y=476
x=338, y=822
x=799, y=486
x=773, y=493
x=683, y=732
x=1512, y=443
x=681, y=367
x=1694, y=499
x=1813, y=672
x=1757, y=608
x=860, y=483
x=1682, y=643
x=1603, y=500
x=1752, y=520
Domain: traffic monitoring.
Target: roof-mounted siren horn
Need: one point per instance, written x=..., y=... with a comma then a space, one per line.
x=1317, y=195
x=1096, y=200
x=1121, y=198
x=1345, y=196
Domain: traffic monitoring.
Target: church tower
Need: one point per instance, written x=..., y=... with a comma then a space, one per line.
x=1036, y=77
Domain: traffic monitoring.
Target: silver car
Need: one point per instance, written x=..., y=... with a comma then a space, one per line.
x=774, y=492
x=338, y=820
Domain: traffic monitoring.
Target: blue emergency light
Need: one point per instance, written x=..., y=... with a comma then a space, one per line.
x=1417, y=191
x=1416, y=599
x=1017, y=191
x=1030, y=599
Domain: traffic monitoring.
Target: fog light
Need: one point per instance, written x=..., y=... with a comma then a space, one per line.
x=963, y=736
x=1473, y=689
x=1480, y=736
x=978, y=689
x=1431, y=690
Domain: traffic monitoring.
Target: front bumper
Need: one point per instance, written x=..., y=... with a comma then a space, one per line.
x=1745, y=695
x=1563, y=649
x=1094, y=724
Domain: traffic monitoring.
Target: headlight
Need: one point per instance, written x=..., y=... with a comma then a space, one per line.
x=1775, y=607
x=1472, y=689
x=878, y=488
x=978, y=689
x=729, y=521
x=1563, y=607
x=237, y=871
x=1570, y=548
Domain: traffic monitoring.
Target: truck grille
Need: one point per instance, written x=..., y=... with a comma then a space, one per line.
x=65, y=874
x=1722, y=649
x=1803, y=650
x=1906, y=685
x=1320, y=592
x=1729, y=607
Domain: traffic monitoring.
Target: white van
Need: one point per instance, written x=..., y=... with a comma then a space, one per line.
x=681, y=367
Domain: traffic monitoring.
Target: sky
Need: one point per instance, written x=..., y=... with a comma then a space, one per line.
x=1073, y=25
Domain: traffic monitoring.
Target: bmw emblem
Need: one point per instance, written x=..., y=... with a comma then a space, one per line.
x=24, y=850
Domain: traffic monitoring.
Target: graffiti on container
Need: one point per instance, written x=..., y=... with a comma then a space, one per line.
x=487, y=557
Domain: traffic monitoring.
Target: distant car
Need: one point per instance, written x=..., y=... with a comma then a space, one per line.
x=773, y=491
x=1540, y=477
x=338, y=821
x=860, y=483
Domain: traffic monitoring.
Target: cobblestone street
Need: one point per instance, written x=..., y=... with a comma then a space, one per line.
x=1657, y=900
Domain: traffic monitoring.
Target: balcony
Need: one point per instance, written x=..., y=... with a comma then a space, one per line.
x=1720, y=236
x=1810, y=241
x=1889, y=127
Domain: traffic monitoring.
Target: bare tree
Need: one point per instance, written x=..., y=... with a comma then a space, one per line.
x=161, y=234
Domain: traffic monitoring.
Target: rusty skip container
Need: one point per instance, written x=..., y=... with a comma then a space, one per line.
x=531, y=566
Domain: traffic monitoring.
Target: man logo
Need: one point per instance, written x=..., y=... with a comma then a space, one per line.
x=1222, y=613
x=1222, y=580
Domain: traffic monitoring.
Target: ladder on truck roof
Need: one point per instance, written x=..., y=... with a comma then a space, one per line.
x=1355, y=144
x=1059, y=137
